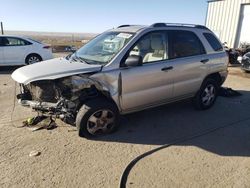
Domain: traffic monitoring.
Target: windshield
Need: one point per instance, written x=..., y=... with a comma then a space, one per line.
x=103, y=48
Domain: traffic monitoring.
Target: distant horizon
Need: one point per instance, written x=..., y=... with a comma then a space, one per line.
x=38, y=34
x=48, y=32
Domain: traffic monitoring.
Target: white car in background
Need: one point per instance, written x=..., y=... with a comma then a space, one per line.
x=15, y=50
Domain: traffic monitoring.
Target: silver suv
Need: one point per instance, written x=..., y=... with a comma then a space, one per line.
x=123, y=70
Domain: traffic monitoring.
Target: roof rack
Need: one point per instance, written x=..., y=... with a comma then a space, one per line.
x=124, y=26
x=178, y=25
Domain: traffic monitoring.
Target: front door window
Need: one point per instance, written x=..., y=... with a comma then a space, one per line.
x=152, y=47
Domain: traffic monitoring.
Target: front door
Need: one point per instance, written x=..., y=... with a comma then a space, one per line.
x=151, y=83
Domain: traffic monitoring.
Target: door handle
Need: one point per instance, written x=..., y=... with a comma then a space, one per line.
x=204, y=61
x=167, y=68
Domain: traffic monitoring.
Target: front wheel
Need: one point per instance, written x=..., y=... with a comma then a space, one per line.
x=206, y=96
x=97, y=117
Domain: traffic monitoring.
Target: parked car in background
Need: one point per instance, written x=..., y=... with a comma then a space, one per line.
x=15, y=50
x=124, y=70
x=244, y=48
x=63, y=48
x=71, y=49
x=245, y=63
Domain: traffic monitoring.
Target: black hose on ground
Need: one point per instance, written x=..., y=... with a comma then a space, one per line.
x=125, y=174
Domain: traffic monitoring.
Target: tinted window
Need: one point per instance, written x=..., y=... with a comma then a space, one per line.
x=1, y=43
x=151, y=47
x=213, y=41
x=184, y=44
x=11, y=41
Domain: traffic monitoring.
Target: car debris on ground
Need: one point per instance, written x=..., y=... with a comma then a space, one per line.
x=40, y=122
x=34, y=153
x=228, y=92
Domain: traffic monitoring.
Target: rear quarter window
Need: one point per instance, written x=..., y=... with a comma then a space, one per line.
x=213, y=41
x=35, y=41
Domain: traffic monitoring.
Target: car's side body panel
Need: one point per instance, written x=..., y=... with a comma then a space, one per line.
x=186, y=77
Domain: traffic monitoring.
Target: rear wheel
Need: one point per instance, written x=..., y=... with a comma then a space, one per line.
x=97, y=117
x=206, y=96
x=33, y=58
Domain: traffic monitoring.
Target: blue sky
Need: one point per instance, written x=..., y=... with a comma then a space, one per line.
x=96, y=15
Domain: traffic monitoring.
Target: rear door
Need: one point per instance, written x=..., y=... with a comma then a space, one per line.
x=189, y=57
x=1, y=52
x=15, y=50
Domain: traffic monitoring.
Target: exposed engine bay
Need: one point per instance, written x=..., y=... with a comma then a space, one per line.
x=61, y=97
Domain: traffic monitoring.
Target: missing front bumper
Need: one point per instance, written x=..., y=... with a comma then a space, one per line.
x=37, y=104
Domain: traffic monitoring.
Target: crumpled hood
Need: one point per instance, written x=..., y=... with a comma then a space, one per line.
x=52, y=69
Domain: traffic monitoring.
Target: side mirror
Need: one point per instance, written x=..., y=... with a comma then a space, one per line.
x=133, y=61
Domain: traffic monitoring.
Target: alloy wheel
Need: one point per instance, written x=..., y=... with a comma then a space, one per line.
x=33, y=59
x=102, y=121
x=208, y=95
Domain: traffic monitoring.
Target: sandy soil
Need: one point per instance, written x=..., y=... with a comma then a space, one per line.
x=219, y=159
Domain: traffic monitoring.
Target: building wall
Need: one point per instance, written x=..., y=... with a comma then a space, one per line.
x=223, y=18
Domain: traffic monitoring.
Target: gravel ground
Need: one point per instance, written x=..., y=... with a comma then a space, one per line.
x=218, y=159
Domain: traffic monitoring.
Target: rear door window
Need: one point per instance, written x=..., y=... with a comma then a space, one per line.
x=213, y=41
x=12, y=41
x=185, y=44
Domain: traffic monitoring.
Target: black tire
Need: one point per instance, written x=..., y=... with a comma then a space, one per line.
x=198, y=100
x=32, y=58
x=89, y=109
x=246, y=71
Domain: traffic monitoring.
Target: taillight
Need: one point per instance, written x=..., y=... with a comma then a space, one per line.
x=47, y=47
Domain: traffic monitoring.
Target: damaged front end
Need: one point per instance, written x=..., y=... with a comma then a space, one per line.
x=60, y=97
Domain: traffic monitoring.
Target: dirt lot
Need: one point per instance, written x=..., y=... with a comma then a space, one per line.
x=218, y=159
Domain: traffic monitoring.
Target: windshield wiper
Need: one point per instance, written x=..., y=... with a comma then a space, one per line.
x=82, y=60
x=68, y=56
x=77, y=58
